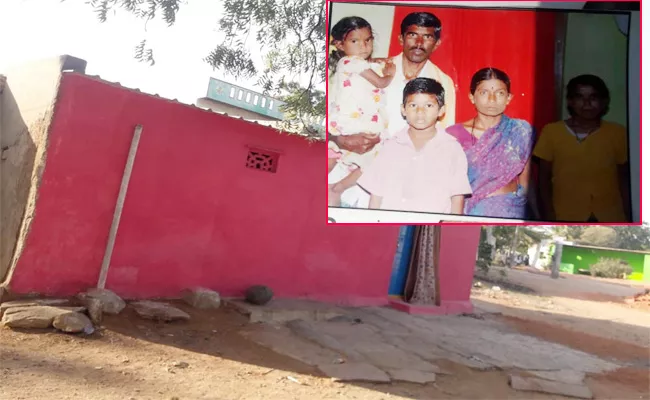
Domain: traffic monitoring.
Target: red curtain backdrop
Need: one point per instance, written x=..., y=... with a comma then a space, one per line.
x=521, y=43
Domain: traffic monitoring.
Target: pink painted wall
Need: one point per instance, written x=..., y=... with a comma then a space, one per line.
x=194, y=214
x=458, y=247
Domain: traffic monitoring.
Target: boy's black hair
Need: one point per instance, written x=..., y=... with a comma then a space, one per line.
x=338, y=33
x=426, y=86
x=592, y=81
x=422, y=19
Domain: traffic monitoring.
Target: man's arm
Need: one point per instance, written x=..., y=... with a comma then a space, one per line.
x=624, y=188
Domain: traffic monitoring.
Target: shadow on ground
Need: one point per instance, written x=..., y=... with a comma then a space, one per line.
x=218, y=334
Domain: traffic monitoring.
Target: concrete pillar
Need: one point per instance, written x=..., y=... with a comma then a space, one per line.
x=557, y=260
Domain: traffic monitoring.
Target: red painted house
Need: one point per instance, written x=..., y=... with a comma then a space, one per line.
x=200, y=210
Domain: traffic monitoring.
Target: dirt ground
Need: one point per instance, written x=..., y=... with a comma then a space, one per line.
x=134, y=359
x=207, y=358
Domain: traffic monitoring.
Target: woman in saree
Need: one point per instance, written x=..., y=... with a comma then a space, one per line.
x=498, y=149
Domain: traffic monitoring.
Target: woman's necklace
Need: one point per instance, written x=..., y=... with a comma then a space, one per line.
x=474, y=138
x=581, y=136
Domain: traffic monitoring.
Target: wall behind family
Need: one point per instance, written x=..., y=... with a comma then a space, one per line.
x=590, y=39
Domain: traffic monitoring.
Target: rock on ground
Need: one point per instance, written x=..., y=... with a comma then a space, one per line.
x=354, y=372
x=259, y=294
x=550, y=387
x=95, y=310
x=31, y=303
x=159, y=311
x=73, y=322
x=111, y=303
x=202, y=298
x=35, y=317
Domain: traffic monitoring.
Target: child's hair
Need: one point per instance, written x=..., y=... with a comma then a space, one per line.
x=339, y=31
x=488, y=73
x=425, y=86
x=424, y=20
x=592, y=81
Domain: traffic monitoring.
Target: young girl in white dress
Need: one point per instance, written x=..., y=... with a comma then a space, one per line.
x=356, y=103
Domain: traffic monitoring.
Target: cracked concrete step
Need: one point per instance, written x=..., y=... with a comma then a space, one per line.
x=411, y=375
x=284, y=310
x=306, y=330
x=281, y=340
x=565, y=375
x=551, y=387
x=354, y=372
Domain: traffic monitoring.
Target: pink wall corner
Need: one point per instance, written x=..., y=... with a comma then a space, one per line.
x=458, y=249
x=194, y=215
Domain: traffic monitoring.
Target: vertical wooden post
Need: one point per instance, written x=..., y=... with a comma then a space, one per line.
x=103, y=273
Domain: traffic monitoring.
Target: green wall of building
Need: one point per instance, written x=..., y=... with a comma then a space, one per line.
x=646, y=270
x=583, y=258
x=594, y=45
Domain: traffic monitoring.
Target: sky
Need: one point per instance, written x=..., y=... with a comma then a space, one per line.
x=72, y=28
x=180, y=73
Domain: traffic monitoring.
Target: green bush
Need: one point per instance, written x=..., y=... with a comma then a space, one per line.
x=484, y=259
x=610, y=268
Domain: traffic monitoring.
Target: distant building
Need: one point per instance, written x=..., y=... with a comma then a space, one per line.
x=236, y=101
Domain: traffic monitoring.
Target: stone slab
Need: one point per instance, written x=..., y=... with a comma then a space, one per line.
x=284, y=310
x=159, y=311
x=551, y=387
x=35, y=317
x=32, y=303
x=354, y=372
x=565, y=375
x=307, y=331
x=411, y=375
x=283, y=341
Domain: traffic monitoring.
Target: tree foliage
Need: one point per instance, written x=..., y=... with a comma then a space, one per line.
x=620, y=237
x=599, y=236
x=527, y=238
x=290, y=35
x=633, y=237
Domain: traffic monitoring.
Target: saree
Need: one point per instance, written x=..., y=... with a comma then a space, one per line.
x=422, y=285
x=493, y=161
